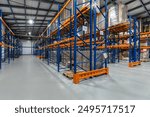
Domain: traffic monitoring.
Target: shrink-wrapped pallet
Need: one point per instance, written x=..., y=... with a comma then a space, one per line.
x=117, y=14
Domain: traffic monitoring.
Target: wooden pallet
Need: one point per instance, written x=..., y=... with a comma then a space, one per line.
x=68, y=74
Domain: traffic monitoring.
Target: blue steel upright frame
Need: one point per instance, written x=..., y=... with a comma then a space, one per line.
x=98, y=55
x=58, y=39
x=60, y=36
x=13, y=51
x=78, y=50
x=8, y=49
x=9, y=44
x=49, y=41
x=0, y=39
x=134, y=40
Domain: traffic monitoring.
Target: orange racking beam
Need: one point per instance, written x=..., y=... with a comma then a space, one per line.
x=143, y=36
x=121, y=46
x=67, y=41
x=88, y=74
x=67, y=45
x=145, y=33
x=7, y=26
x=6, y=46
x=145, y=47
x=122, y=27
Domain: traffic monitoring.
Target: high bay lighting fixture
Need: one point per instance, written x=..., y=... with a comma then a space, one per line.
x=31, y=21
x=29, y=33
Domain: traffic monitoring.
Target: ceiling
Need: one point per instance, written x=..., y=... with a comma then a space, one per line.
x=17, y=13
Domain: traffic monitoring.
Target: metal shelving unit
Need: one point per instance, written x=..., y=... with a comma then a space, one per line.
x=132, y=30
x=97, y=46
x=10, y=47
x=68, y=39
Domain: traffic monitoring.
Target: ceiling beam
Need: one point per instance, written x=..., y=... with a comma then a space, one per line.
x=49, y=1
x=127, y=3
x=21, y=19
x=145, y=7
x=147, y=17
x=24, y=14
x=28, y=26
x=135, y=8
x=136, y=15
x=28, y=8
x=11, y=23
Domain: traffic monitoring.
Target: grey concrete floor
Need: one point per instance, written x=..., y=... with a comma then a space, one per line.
x=28, y=78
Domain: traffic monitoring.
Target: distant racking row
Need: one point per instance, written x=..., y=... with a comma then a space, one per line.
x=10, y=47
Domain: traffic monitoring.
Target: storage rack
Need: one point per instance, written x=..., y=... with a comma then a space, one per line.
x=99, y=43
x=116, y=44
x=10, y=47
x=122, y=32
x=69, y=40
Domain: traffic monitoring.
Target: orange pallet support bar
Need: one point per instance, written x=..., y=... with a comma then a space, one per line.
x=132, y=64
x=84, y=75
x=1, y=44
x=40, y=57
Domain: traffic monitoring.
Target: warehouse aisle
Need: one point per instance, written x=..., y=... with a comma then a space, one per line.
x=26, y=78
x=29, y=78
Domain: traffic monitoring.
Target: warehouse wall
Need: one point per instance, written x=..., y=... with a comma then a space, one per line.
x=27, y=47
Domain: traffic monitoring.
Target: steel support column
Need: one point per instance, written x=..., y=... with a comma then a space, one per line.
x=0, y=39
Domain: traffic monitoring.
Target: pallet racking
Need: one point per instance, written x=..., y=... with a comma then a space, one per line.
x=10, y=47
x=80, y=35
x=68, y=39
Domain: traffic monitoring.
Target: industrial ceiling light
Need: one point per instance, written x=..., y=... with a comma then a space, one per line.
x=29, y=33
x=31, y=21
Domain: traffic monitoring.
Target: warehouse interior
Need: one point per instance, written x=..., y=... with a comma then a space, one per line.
x=74, y=49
